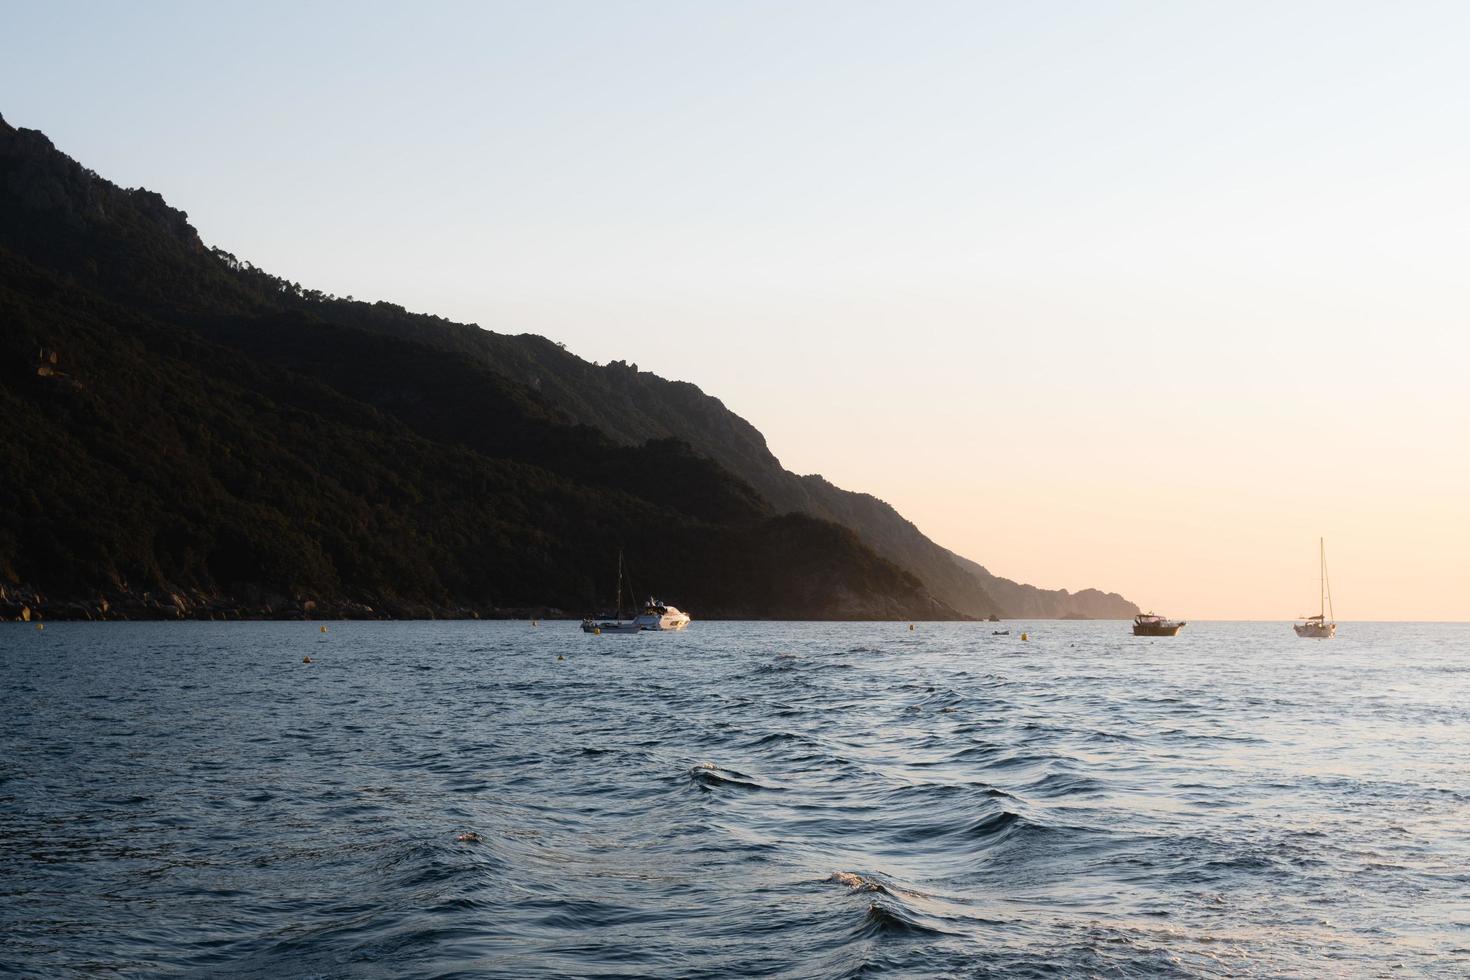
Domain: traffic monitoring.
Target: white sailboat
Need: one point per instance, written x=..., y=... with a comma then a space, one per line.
x=617, y=624
x=1322, y=625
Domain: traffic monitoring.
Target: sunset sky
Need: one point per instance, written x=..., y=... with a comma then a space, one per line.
x=1144, y=297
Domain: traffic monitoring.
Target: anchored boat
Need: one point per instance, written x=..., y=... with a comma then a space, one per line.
x=616, y=624
x=657, y=616
x=1320, y=626
x=1149, y=624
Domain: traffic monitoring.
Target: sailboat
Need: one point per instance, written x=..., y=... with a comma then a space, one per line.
x=1320, y=626
x=617, y=624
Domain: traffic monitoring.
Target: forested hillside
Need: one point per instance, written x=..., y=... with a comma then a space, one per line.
x=190, y=435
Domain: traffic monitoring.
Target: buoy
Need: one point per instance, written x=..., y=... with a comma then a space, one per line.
x=40, y=626
x=597, y=631
x=306, y=660
x=911, y=627
x=560, y=657
x=324, y=629
x=1025, y=637
x=534, y=623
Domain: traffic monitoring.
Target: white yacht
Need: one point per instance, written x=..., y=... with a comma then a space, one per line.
x=658, y=615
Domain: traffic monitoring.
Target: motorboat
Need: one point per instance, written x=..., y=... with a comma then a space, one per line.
x=658, y=615
x=1149, y=624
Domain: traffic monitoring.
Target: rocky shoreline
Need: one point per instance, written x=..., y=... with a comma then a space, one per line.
x=22, y=604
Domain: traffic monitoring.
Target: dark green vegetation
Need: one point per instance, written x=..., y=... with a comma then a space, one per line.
x=180, y=423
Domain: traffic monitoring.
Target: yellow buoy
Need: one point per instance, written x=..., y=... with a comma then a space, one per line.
x=324, y=629
x=40, y=626
x=306, y=660
x=1025, y=637
x=597, y=631
x=560, y=657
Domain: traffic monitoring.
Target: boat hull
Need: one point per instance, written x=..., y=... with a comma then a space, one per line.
x=613, y=628
x=662, y=624
x=647, y=623
x=1141, y=629
x=1316, y=631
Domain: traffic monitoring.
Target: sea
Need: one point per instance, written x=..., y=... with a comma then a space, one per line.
x=512, y=799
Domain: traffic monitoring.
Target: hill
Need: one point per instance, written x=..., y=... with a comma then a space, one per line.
x=191, y=435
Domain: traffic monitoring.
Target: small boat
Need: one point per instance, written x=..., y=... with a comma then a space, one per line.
x=616, y=624
x=1000, y=632
x=658, y=615
x=1320, y=626
x=1149, y=624
x=605, y=626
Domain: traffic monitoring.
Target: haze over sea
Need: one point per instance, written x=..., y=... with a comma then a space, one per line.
x=744, y=799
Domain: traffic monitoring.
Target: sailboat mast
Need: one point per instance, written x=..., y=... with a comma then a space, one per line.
x=1321, y=577
x=1327, y=584
x=620, y=584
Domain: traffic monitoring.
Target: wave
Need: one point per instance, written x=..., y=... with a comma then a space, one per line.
x=708, y=776
x=1000, y=826
x=1065, y=784
x=780, y=738
x=891, y=919
x=856, y=882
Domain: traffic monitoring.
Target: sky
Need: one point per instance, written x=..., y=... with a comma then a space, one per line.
x=1139, y=296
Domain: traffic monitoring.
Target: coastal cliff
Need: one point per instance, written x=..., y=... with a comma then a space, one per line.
x=190, y=436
